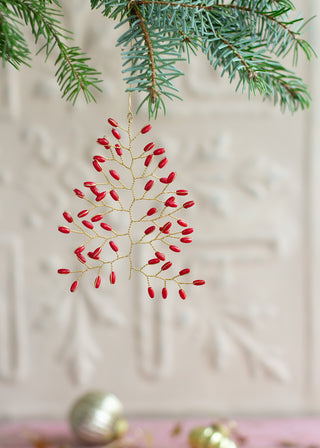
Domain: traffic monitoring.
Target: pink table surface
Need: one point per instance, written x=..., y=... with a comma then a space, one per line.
x=257, y=433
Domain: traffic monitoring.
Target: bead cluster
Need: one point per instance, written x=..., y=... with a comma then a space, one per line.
x=163, y=230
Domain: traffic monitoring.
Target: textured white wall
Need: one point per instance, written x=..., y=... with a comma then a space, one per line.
x=248, y=343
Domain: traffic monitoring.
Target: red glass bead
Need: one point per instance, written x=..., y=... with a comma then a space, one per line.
x=97, y=165
x=174, y=248
x=146, y=129
x=148, y=160
x=103, y=141
x=105, y=226
x=101, y=196
x=74, y=286
x=82, y=213
x=149, y=230
x=149, y=185
x=115, y=174
x=63, y=271
x=182, y=192
x=113, y=246
x=99, y=158
x=160, y=255
x=154, y=261
x=149, y=146
x=96, y=218
x=159, y=151
x=114, y=195
x=89, y=184
x=166, y=266
x=162, y=162
x=79, y=249
x=151, y=211
x=118, y=149
x=97, y=281
x=171, y=177
x=88, y=224
x=67, y=217
x=165, y=227
x=182, y=223
x=95, y=190
x=81, y=258
x=186, y=240
x=97, y=252
x=188, y=204
x=112, y=277
x=164, y=180
x=64, y=229
x=184, y=271
x=80, y=255
x=187, y=231
x=170, y=202
x=151, y=292
x=116, y=134
x=182, y=294
x=78, y=193
x=113, y=122
x=164, y=293
x=198, y=282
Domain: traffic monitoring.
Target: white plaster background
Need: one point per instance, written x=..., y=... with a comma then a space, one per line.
x=248, y=343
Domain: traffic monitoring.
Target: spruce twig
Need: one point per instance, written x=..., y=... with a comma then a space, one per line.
x=243, y=38
x=153, y=89
x=73, y=73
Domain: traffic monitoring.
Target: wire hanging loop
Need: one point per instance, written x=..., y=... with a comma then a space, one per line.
x=130, y=114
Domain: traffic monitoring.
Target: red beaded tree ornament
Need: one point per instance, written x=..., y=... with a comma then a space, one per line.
x=130, y=184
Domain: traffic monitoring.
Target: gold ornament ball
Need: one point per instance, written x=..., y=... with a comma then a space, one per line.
x=216, y=436
x=97, y=418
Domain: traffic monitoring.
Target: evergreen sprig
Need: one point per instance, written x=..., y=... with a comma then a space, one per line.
x=244, y=38
x=73, y=73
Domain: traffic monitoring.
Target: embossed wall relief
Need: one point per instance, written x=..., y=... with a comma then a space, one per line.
x=237, y=346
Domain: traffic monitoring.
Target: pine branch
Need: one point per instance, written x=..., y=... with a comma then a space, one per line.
x=149, y=61
x=257, y=71
x=244, y=37
x=73, y=73
x=254, y=18
x=13, y=46
x=277, y=33
x=147, y=39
